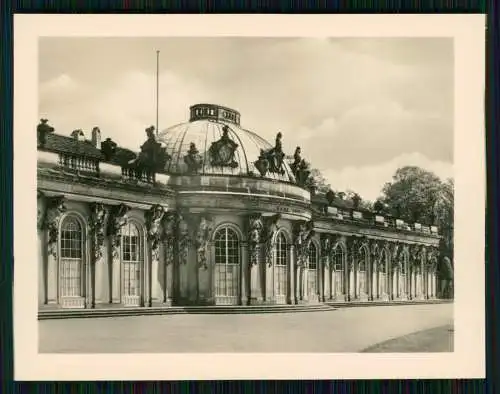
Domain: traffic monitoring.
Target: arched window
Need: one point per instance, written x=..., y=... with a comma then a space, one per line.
x=280, y=268
x=338, y=269
x=338, y=258
x=313, y=257
x=362, y=260
x=312, y=275
x=227, y=262
x=71, y=261
x=132, y=258
x=362, y=280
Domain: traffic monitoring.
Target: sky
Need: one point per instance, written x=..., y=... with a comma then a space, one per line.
x=359, y=107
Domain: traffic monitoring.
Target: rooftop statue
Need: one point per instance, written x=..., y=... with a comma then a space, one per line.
x=273, y=157
x=108, y=148
x=193, y=159
x=296, y=160
x=153, y=155
x=43, y=129
x=302, y=173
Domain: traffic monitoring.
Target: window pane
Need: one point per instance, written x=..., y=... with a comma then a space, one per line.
x=227, y=260
x=131, y=259
x=71, y=264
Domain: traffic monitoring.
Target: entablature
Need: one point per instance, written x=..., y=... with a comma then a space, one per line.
x=374, y=233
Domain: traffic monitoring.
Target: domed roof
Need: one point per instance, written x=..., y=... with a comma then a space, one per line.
x=211, y=127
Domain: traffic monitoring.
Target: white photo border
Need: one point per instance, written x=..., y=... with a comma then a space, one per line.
x=468, y=358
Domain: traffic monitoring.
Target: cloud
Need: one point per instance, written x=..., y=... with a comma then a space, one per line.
x=369, y=180
x=351, y=104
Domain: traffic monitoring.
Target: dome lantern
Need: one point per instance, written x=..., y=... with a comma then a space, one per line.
x=214, y=112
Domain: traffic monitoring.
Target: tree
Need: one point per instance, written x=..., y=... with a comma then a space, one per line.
x=320, y=181
x=417, y=195
x=444, y=213
x=412, y=195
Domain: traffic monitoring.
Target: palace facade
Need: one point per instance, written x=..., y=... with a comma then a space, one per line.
x=209, y=213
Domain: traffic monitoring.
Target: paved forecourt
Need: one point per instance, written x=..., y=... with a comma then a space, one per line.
x=341, y=330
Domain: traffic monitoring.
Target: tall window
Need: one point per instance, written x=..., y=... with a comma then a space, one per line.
x=338, y=269
x=227, y=262
x=71, y=262
x=338, y=258
x=312, y=274
x=362, y=264
x=313, y=257
x=280, y=268
x=132, y=260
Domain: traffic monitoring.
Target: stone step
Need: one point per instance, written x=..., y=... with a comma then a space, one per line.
x=226, y=309
x=130, y=311
x=351, y=304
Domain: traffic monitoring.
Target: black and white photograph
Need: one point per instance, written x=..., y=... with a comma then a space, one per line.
x=250, y=194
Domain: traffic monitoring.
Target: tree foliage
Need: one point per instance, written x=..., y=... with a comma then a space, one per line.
x=412, y=194
x=417, y=195
x=320, y=181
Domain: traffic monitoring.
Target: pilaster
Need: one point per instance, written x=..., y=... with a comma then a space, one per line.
x=96, y=230
x=154, y=218
x=117, y=219
x=255, y=289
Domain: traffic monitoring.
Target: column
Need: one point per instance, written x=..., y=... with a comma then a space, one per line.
x=115, y=272
x=256, y=277
x=96, y=224
x=118, y=217
x=55, y=208
x=183, y=246
x=244, y=276
x=326, y=278
x=170, y=254
x=293, y=278
x=371, y=271
x=168, y=273
x=269, y=277
x=203, y=259
x=352, y=272
x=321, y=274
x=42, y=268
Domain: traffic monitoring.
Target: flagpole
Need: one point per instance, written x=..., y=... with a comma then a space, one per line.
x=157, y=87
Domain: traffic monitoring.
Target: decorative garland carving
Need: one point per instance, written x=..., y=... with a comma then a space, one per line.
x=271, y=228
x=203, y=234
x=96, y=224
x=303, y=233
x=416, y=255
x=384, y=247
x=55, y=209
x=255, y=233
x=170, y=228
x=396, y=255
x=118, y=218
x=353, y=244
x=432, y=258
x=375, y=249
x=153, y=223
x=183, y=238
x=40, y=209
x=327, y=244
